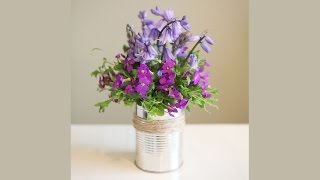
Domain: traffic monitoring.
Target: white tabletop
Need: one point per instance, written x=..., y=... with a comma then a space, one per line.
x=211, y=152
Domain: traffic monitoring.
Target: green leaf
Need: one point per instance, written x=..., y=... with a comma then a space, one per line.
x=95, y=73
x=134, y=72
x=160, y=111
x=103, y=105
x=151, y=87
x=125, y=48
x=188, y=108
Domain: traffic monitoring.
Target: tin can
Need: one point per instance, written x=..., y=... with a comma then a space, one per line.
x=159, y=152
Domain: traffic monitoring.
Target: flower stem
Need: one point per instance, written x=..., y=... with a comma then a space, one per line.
x=194, y=47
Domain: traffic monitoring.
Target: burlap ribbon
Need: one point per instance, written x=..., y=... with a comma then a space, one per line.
x=159, y=126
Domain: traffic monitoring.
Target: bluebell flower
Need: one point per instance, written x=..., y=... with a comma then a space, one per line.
x=156, y=11
x=147, y=22
x=154, y=33
x=160, y=25
x=168, y=15
x=167, y=54
x=209, y=40
x=176, y=29
x=185, y=24
x=205, y=46
x=194, y=38
x=193, y=62
x=142, y=15
x=166, y=36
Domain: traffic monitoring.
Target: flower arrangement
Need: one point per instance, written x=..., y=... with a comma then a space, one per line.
x=156, y=70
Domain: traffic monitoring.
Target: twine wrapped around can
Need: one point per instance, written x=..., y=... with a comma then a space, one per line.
x=159, y=126
x=158, y=141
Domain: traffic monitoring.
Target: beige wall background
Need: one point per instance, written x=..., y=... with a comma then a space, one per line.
x=101, y=23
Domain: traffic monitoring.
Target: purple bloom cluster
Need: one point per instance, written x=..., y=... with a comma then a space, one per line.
x=203, y=81
x=141, y=48
x=181, y=102
x=118, y=83
x=154, y=56
x=129, y=89
x=145, y=79
x=128, y=64
x=167, y=75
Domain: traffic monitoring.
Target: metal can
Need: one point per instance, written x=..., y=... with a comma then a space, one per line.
x=159, y=152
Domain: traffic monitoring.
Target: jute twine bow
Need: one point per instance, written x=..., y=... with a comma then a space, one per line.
x=159, y=126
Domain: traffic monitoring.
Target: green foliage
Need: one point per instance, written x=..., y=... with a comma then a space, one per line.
x=156, y=102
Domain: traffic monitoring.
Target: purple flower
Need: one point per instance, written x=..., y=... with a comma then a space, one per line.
x=209, y=40
x=167, y=80
x=156, y=11
x=127, y=64
x=205, y=47
x=171, y=110
x=167, y=66
x=185, y=74
x=193, y=62
x=142, y=15
x=206, y=76
x=205, y=94
x=129, y=89
x=181, y=52
x=167, y=54
x=166, y=36
x=159, y=73
x=163, y=80
x=147, y=22
x=168, y=15
x=144, y=53
x=204, y=83
x=152, y=50
x=154, y=33
x=185, y=24
x=142, y=89
x=182, y=104
x=176, y=29
x=171, y=77
x=102, y=82
x=194, y=38
x=143, y=71
x=145, y=79
x=206, y=64
x=175, y=94
x=118, y=83
x=160, y=25
x=196, y=77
